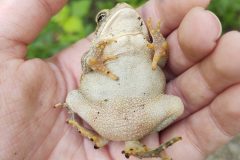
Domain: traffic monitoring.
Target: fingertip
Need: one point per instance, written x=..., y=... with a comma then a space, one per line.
x=217, y=22
x=232, y=35
x=22, y=22
x=170, y=13
x=198, y=33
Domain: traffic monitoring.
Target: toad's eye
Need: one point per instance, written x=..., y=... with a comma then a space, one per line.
x=101, y=16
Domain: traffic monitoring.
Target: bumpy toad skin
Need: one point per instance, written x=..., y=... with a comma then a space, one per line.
x=135, y=105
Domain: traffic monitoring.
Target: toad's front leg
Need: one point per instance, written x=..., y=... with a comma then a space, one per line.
x=97, y=62
x=159, y=45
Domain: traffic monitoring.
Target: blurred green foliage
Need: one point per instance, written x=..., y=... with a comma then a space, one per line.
x=77, y=19
x=228, y=12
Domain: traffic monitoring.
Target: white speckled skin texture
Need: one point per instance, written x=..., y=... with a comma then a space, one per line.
x=135, y=105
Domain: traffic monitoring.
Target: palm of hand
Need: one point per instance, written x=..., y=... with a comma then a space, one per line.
x=32, y=129
x=29, y=90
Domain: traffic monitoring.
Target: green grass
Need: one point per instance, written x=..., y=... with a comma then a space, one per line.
x=77, y=19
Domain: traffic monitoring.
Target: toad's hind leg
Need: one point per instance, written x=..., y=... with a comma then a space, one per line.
x=95, y=138
x=159, y=45
x=97, y=62
x=137, y=149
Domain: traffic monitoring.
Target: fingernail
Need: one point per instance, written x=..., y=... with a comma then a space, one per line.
x=218, y=23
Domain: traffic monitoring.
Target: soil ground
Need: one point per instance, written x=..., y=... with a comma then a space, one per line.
x=230, y=151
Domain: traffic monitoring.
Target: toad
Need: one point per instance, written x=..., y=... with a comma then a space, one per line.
x=121, y=94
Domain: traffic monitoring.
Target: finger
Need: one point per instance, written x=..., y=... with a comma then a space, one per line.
x=195, y=38
x=170, y=13
x=199, y=85
x=209, y=128
x=69, y=62
x=21, y=21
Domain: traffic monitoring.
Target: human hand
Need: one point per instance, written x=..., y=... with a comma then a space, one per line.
x=202, y=69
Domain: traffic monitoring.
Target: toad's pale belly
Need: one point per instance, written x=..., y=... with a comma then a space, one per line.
x=135, y=80
x=133, y=106
x=122, y=110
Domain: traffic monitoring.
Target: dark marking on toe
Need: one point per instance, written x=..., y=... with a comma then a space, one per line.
x=127, y=155
x=91, y=139
x=141, y=24
x=96, y=147
x=123, y=152
x=139, y=18
x=131, y=149
x=105, y=100
x=98, y=112
x=79, y=131
x=108, y=72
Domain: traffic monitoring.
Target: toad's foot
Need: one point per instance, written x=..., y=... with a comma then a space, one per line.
x=159, y=44
x=97, y=62
x=135, y=148
x=97, y=140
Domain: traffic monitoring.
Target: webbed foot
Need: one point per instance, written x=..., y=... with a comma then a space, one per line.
x=159, y=44
x=137, y=149
x=97, y=62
